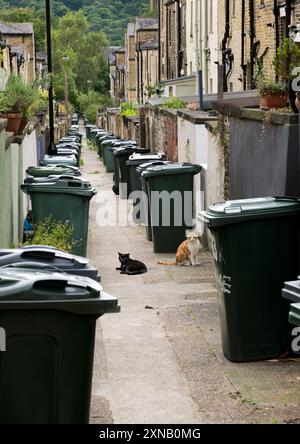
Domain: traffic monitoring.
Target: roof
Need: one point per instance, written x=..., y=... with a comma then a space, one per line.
x=40, y=55
x=16, y=28
x=151, y=44
x=131, y=29
x=146, y=23
x=18, y=49
x=121, y=49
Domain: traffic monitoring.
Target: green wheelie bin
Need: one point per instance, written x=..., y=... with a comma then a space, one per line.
x=53, y=170
x=170, y=192
x=48, y=256
x=108, y=148
x=66, y=199
x=61, y=160
x=49, y=321
x=121, y=155
x=255, y=243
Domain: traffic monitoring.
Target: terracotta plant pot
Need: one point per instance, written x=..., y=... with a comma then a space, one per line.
x=271, y=101
x=13, y=122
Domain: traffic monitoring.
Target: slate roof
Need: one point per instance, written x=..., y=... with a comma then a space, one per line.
x=16, y=28
x=146, y=23
x=151, y=44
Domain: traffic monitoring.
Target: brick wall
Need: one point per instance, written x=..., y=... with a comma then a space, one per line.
x=170, y=141
x=265, y=36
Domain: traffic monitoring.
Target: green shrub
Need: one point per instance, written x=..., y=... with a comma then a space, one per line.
x=128, y=109
x=91, y=112
x=18, y=97
x=272, y=88
x=173, y=103
x=54, y=234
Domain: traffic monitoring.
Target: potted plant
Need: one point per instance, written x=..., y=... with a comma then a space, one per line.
x=286, y=63
x=15, y=103
x=273, y=95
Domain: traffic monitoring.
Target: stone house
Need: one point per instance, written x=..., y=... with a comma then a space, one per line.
x=202, y=42
x=20, y=37
x=130, y=64
x=112, y=70
x=250, y=31
x=146, y=37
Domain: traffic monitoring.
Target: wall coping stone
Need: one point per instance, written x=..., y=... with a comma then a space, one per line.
x=3, y=123
x=9, y=139
x=196, y=117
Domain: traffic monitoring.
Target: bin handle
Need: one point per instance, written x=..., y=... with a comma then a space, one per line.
x=288, y=198
x=34, y=265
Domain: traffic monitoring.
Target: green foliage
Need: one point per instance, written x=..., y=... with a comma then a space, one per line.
x=266, y=88
x=173, y=103
x=80, y=54
x=18, y=97
x=54, y=234
x=109, y=17
x=154, y=90
x=286, y=59
x=91, y=112
x=128, y=109
x=27, y=15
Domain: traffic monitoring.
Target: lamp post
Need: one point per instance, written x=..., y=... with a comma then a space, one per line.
x=51, y=147
x=66, y=84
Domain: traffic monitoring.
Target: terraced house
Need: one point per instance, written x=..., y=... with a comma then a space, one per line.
x=19, y=37
x=250, y=31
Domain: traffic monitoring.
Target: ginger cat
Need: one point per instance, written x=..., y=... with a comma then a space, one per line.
x=188, y=251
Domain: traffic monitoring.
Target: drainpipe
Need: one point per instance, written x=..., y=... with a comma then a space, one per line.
x=288, y=13
x=199, y=54
x=138, y=71
x=205, y=44
x=159, y=42
x=142, y=75
x=225, y=40
x=51, y=148
x=252, y=37
x=276, y=15
x=243, y=46
x=178, y=52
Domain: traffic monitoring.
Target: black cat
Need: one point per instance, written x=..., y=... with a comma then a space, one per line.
x=130, y=266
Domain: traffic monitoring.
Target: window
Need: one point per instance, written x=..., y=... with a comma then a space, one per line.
x=233, y=8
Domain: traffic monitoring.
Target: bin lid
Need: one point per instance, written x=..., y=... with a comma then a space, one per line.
x=53, y=170
x=139, y=169
x=294, y=314
x=59, y=184
x=171, y=169
x=234, y=211
x=59, y=159
x=109, y=141
x=45, y=254
x=34, y=288
x=68, y=151
x=291, y=291
x=138, y=158
x=127, y=149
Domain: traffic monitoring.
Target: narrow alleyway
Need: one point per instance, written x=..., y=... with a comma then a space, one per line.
x=160, y=360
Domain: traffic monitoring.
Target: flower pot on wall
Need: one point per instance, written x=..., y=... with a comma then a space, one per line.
x=13, y=122
x=271, y=101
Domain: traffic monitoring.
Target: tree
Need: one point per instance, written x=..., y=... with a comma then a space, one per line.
x=82, y=54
